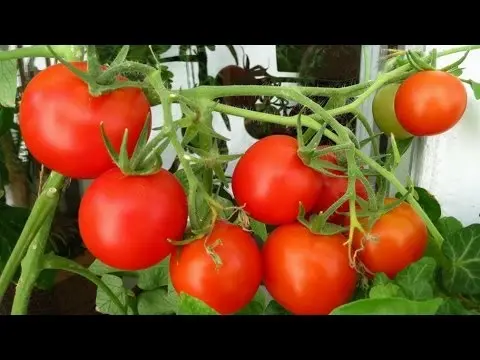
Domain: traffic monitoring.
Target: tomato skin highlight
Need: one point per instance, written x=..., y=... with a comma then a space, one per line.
x=430, y=103
x=271, y=180
x=60, y=121
x=333, y=188
x=234, y=284
x=383, y=110
x=402, y=239
x=307, y=274
x=125, y=221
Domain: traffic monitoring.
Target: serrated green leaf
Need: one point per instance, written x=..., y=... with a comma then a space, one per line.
x=259, y=229
x=99, y=268
x=156, y=302
x=416, y=280
x=476, y=89
x=189, y=305
x=389, y=306
x=385, y=291
x=155, y=276
x=448, y=225
x=380, y=279
x=429, y=204
x=453, y=307
x=274, y=308
x=8, y=83
x=257, y=305
x=462, y=248
x=104, y=304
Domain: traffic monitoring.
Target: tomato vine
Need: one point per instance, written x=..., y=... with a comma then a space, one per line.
x=203, y=167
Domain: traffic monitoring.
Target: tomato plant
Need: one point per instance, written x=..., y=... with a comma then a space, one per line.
x=224, y=269
x=127, y=221
x=308, y=274
x=270, y=181
x=189, y=245
x=383, y=108
x=396, y=240
x=333, y=188
x=60, y=121
x=430, y=102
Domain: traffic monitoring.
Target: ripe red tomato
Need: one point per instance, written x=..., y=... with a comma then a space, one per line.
x=384, y=112
x=271, y=180
x=398, y=239
x=125, y=221
x=430, y=102
x=60, y=121
x=333, y=189
x=307, y=274
x=229, y=287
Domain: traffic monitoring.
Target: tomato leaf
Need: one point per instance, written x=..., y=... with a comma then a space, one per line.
x=12, y=220
x=416, y=280
x=448, y=225
x=6, y=119
x=274, y=308
x=381, y=279
x=388, y=290
x=259, y=229
x=156, y=302
x=189, y=305
x=403, y=145
x=476, y=89
x=99, y=268
x=155, y=276
x=8, y=82
x=429, y=204
x=389, y=306
x=258, y=304
x=104, y=304
x=453, y=307
x=462, y=248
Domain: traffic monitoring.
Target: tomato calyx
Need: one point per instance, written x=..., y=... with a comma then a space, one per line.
x=146, y=159
x=318, y=223
x=102, y=79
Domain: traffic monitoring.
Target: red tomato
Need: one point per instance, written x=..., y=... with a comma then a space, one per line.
x=333, y=189
x=60, y=121
x=271, y=181
x=125, y=221
x=398, y=239
x=229, y=287
x=307, y=274
x=430, y=102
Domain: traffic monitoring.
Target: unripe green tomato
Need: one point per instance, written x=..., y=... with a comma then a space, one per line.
x=384, y=112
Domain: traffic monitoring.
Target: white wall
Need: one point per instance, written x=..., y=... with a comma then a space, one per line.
x=448, y=163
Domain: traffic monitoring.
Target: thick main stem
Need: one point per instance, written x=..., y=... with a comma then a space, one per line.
x=32, y=263
x=40, y=211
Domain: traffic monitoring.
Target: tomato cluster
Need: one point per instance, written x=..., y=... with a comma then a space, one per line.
x=427, y=103
x=130, y=221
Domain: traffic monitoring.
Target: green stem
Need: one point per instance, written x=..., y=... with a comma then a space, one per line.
x=66, y=51
x=41, y=209
x=166, y=100
x=438, y=238
x=213, y=92
x=55, y=262
x=32, y=263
